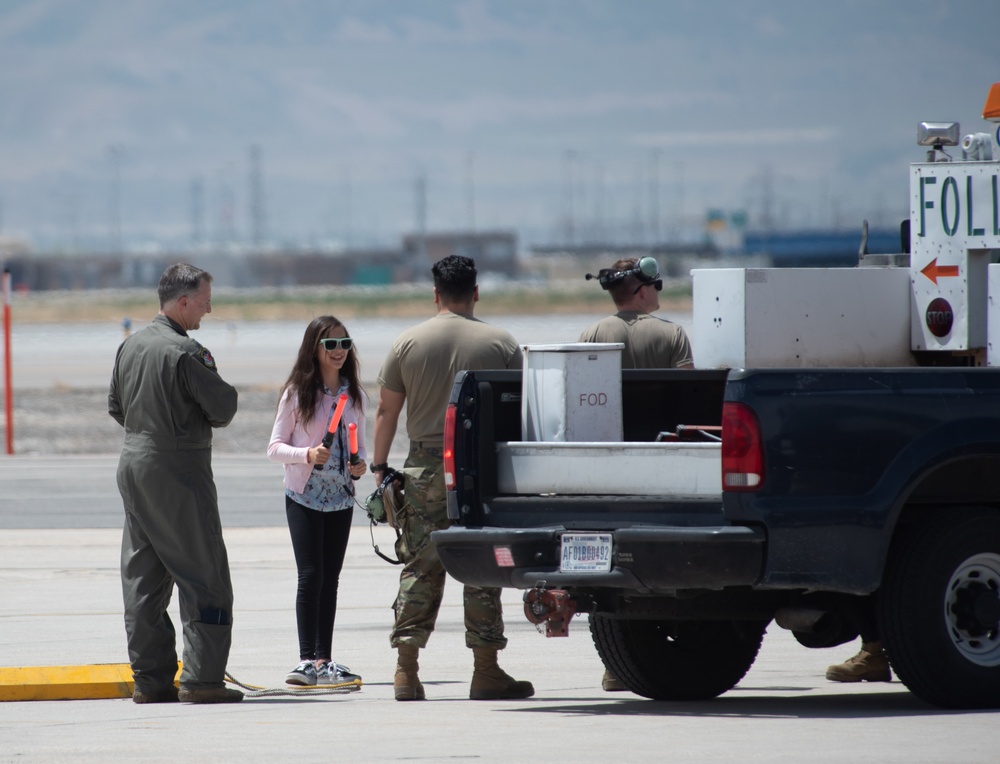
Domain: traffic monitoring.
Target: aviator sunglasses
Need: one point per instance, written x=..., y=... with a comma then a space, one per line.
x=338, y=343
x=657, y=285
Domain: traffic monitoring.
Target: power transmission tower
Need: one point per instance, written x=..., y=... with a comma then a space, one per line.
x=257, y=214
x=346, y=217
x=197, y=211
x=654, y=197
x=227, y=206
x=114, y=200
x=470, y=189
x=569, y=156
x=420, y=200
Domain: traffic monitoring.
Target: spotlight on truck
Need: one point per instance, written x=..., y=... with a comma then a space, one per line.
x=937, y=135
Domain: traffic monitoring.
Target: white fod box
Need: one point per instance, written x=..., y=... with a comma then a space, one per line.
x=572, y=392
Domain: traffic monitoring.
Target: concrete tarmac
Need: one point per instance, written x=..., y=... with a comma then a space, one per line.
x=60, y=604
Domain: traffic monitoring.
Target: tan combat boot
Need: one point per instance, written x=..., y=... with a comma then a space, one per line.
x=406, y=685
x=611, y=683
x=490, y=682
x=869, y=665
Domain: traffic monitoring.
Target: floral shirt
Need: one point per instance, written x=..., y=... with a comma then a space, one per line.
x=329, y=488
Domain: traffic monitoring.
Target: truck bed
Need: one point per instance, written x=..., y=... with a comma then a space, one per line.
x=508, y=482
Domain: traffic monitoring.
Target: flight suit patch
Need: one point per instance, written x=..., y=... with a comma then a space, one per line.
x=206, y=358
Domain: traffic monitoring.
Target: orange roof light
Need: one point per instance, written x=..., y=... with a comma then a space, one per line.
x=991, y=110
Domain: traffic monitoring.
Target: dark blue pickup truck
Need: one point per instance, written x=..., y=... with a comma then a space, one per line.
x=738, y=498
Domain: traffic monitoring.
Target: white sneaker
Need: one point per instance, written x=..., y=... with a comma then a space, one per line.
x=334, y=673
x=303, y=675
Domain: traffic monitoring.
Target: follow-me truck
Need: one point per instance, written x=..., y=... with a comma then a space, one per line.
x=837, y=446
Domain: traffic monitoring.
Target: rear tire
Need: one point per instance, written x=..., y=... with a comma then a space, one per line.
x=939, y=608
x=677, y=660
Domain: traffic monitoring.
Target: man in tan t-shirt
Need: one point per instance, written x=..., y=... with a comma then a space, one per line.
x=650, y=342
x=419, y=371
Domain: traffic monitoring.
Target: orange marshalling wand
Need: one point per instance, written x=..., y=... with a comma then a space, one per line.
x=352, y=439
x=334, y=423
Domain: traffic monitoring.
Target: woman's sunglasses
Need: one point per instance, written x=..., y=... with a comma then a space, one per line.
x=339, y=343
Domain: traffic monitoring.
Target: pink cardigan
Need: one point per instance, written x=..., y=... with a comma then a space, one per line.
x=291, y=441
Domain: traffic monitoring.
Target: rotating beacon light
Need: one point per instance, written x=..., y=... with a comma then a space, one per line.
x=334, y=423
x=991, y=113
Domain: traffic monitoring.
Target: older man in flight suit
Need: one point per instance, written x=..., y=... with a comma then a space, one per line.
x=167, y=393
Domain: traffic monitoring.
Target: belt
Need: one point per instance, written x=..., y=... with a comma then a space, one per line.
x=435, y=448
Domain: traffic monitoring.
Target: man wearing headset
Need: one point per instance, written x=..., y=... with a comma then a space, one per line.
x=650, y=342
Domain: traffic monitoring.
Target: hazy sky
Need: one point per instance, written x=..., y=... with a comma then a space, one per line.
x=583, y=118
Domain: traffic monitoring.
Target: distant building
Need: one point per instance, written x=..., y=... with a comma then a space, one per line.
x=495, y=252
x=359, y=266
x=63, y=273
x=560, y=262
x=819, y=249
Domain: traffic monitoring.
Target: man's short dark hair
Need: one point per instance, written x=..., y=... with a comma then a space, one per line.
x=621, y=291
x=455, y=277
x=180, y=279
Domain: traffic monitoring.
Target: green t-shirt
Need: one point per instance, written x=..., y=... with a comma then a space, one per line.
x=424, y=360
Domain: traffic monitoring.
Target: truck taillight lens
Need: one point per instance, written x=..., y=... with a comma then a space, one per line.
x=742, y=449
x=449, y=447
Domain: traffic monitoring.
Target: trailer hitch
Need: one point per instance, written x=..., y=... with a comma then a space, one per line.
x=552, y=607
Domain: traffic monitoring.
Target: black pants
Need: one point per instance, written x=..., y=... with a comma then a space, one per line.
x=319, y=541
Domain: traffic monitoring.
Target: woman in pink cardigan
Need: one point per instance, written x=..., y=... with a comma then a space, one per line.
x=319, y=486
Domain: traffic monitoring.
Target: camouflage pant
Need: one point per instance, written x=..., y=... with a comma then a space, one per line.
x=421, y=581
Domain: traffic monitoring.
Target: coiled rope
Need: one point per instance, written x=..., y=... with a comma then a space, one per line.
x=254, y=691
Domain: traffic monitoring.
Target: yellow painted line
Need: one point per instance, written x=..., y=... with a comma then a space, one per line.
x=95, y=682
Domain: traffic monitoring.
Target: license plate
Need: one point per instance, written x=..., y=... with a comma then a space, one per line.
x=585, y=553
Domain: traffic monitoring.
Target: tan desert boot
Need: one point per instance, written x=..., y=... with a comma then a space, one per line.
x=490, y=682
x=869, y=665
x=406, y=685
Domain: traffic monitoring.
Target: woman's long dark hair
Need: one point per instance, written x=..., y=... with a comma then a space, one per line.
x=306, y=379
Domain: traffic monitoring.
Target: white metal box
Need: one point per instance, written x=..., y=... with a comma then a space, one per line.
x=801, y=317
x=572, y=392
x=683, y=471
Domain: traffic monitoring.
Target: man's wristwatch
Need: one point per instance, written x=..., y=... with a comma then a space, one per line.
x=380, y=467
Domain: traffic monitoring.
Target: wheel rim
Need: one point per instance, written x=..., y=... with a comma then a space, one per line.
x=972, y=609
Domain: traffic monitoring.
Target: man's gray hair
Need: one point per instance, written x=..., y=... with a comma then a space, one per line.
x=181, y=279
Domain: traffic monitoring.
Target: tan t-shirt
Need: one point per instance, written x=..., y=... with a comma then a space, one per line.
x=424, y=360
x=650, y=342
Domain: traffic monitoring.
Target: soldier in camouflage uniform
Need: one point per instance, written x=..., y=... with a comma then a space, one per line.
x=419, y=371
x=167, y=393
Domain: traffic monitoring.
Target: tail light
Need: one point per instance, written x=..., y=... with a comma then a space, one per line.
x=449, y=447
x=742, y=449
